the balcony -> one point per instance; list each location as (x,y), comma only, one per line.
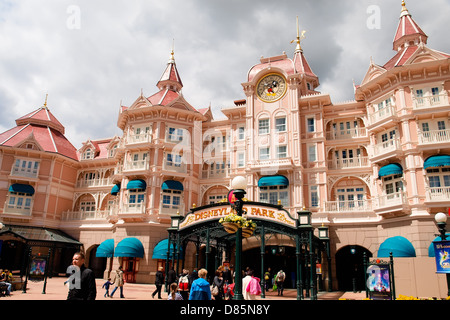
(386,149)
(139,165)
(347,134)
(275,164)
(383,114)
(434,137)
(349,163)
(349,206)
(28,172)
(216,173)
(87,215)
(139,138)
(438,194)
(132,209)
(22,210)
(437,100)
(94,183)
(175,167)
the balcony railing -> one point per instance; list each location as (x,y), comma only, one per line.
(136,165)
(347,134)
(133,208)
(94,183)
(392,199)
(357,162)
(438,194)
(179,167)
(139,138)
(349,206)
(25,172)
(430,101)
(386,146)
(381,114)
(21,210)
(434,136)
(87,215)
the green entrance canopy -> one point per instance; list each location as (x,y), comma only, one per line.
(129,247)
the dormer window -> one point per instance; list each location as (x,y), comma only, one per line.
(88,154)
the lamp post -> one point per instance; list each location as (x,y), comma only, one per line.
(441,221)
(238,185)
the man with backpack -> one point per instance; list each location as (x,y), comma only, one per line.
(279,281)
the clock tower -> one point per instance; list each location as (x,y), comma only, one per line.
(273,123)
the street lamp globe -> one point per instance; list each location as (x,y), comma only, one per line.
(239,182)
(440,217)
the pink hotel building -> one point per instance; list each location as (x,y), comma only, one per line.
(372,169)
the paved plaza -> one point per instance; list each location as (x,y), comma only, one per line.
(56,290)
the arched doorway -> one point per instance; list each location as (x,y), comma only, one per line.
(350,268)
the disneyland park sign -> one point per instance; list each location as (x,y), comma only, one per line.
(251,210)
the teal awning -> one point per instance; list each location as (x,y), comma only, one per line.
(129,247)
(172,185)
(160,251)
(390,169)
(21,188)
(137,184)
(273,181)
(116,189)
(105,249)
(437,161)
(399,246)
(431,247)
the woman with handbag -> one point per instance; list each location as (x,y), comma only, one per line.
(217,290)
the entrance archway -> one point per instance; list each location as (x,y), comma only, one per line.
(202,227)
(350,268)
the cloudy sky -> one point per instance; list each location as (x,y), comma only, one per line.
(91,55)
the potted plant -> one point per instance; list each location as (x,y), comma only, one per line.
(232,222)
(248,228)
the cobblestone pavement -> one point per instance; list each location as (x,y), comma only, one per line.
(56,290)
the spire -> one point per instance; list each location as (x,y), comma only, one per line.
(170,79)
(408,31)
(299,38)
(311,81)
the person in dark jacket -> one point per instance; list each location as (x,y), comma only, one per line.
(82,285)
(159,281)
(200,289)
(219,282)
(171,278)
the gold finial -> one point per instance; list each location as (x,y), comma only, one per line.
(172,57)
(300,37)
(404,6)
(45,103)
(194,205)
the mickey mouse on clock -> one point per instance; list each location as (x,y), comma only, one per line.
(271,87)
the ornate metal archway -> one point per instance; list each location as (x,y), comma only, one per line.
(201,226)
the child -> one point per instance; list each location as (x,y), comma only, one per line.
(106,286)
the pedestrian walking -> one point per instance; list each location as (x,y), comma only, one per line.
(200,289)
(174,294)
(218,282)
(250,286)
(281,276)
(83,285)
(159,280)
(118,282)
(183,284)
(106,286)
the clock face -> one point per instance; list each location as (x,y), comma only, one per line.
(271,87)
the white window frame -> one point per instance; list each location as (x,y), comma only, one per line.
(271,194)
(263,126)
(312,153)
(280,127)
(264,155)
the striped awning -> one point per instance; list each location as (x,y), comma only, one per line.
(21,188)
(437,161)
(390,169)
(273,181)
